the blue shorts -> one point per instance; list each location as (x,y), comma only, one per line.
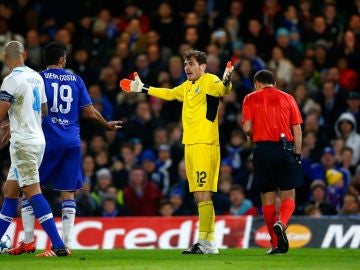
(61,168)
(276,167)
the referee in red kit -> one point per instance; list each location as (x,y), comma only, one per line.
(271,118)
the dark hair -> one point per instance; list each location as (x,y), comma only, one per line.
(264,77)
(237,187)
(53,51)
(200,56)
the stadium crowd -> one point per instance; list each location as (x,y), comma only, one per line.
(312,46)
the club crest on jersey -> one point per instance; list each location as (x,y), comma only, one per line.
(197,90)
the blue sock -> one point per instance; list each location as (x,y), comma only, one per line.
(45,217)
(8,212)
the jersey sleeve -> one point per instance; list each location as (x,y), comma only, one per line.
(295,113)
(176,93)
(215,86)
(246,110)
(42,91)
(8,90)
(84,98)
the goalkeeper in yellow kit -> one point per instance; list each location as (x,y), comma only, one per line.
(200,95)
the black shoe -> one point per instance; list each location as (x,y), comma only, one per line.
(283,243)
(272,251)
(195,249)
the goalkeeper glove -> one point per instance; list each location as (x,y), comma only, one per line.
(226,79)
(135,86)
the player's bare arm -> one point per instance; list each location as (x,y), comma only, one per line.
(44,109)
(6,132)
(92,113)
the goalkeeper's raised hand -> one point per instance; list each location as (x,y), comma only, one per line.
(135,86)
(226,79)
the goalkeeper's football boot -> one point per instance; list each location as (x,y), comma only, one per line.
(23,248)
(273,251)
(201,249)
(55,252)
(195,249)
(283,243)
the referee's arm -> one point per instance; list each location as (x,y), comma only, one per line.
(297,133)
(248,128)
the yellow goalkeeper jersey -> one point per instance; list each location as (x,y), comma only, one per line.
(200,107)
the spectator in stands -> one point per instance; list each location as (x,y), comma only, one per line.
(103,180)
(333,22)
(281,66)
(345,159)
(167,24)
(328,161)
(271,15)
(221,197)
(85,204)
(292,24)
(240,205)
(153,38)
(250,52)
(350,205)
(166,208)
(331,106)
(140,124)
(353,102)
(131,10)
(312,211)
(141,196)
(306,16)
(256,34)
(349,49)
(34,50)
(110,208)
(109,83)
(300,93)
(176,198)
(318,198)
(148,162)
(345,127)
(291,52)
(166,167)
(336,187)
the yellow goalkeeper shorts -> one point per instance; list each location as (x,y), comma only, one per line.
(202,163)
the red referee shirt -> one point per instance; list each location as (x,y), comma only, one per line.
(271,112)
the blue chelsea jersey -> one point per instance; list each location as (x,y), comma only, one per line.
(66,95)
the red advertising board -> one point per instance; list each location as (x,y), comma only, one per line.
(181,232)
(142,232)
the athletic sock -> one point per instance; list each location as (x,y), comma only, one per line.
(28,220)
(45,217)
(206,221)
(286,210)
(7,214)
(68,219)
(269,213)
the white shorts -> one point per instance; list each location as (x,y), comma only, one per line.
(25,163)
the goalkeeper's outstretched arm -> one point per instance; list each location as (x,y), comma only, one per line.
(137,86)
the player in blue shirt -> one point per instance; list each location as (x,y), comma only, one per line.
(61,168)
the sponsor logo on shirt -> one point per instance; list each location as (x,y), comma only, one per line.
(60,121)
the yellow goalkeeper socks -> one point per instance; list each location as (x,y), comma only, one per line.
(206,221)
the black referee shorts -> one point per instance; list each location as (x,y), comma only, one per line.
(276,167)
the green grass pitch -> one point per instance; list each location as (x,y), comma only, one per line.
(160,259)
